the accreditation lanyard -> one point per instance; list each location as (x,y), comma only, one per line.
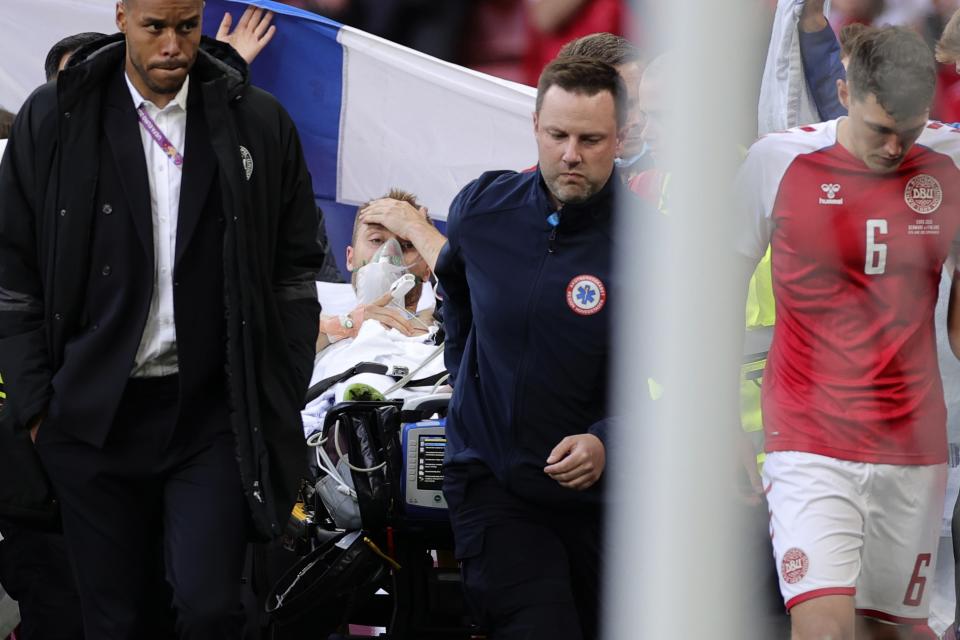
(159,137)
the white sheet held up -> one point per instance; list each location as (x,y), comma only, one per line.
(785,99)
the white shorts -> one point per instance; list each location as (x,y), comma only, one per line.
(855,528)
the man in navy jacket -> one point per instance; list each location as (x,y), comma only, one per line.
(529,286)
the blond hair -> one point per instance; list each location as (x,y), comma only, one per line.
(393,194)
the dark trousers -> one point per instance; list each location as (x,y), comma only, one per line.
(35,571)
(529,572)
(155,521)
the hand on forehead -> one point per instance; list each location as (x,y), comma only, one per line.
(374,229)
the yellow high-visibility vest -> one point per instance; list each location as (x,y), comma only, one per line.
(751,415)
(761,311)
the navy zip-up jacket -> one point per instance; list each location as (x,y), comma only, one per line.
(528,311)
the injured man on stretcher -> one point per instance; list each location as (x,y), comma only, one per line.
(379,337)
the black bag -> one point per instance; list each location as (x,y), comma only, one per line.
(318,594)
(372,432)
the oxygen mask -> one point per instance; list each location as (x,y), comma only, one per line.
(375,278)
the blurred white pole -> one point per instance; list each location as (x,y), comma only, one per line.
(677,565)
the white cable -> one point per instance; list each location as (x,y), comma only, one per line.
(326,464)
(410,316)
(331,468)
(316,439)
(439,384)
(346,459)
(327,470)
(420,322)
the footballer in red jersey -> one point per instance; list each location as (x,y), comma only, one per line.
(861,214)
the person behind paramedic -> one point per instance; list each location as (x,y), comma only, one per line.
(625,57)
(529,289)
(159,243)
(369,235)
(653,181)
(859,217)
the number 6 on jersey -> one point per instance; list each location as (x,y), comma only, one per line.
(876,261)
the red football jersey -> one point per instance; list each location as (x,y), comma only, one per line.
(857,256)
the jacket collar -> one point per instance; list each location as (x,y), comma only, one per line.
(179,100)
(119,120)
(93,64)
(199,167)
(598,206)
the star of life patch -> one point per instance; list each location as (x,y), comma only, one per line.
(586,295)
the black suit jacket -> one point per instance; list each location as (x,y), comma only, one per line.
(51,199)
(98,359)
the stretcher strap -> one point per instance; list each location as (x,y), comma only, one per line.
(316,390)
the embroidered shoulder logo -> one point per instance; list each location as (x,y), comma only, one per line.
(830,190)
(247,161)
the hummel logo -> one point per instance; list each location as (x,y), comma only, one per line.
(830,190)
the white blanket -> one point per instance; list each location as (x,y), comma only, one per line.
(374,343)
(785,99)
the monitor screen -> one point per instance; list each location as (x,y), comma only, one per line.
(430,462)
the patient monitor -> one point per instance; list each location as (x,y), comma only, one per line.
(424,444)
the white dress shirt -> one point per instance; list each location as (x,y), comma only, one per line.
(157,354)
